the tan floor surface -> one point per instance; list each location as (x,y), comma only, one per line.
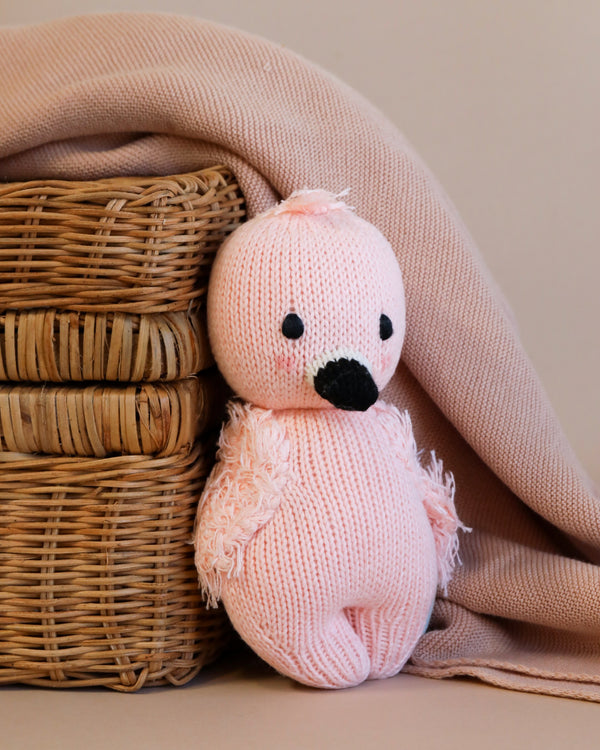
(241,703)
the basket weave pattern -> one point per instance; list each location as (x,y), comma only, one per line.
(106,407)
(100,420)
(124,244)
(48,345)
(98,584)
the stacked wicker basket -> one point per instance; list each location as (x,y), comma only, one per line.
(106,404)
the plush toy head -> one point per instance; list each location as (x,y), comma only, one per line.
(306,307)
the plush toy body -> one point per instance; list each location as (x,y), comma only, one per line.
(319,528)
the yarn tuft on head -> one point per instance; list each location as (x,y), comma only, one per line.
(313,202)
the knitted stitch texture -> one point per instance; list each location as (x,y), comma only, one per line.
(319,528)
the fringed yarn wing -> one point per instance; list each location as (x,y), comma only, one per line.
(437,489)
(241,495)
(438,499)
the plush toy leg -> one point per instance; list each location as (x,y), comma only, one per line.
(334,657)
(389,638)
(316,651)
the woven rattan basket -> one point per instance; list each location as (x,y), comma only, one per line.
(47,345)
(105,281)
(97,580)
(126,244)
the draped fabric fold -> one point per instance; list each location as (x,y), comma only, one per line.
(116,94)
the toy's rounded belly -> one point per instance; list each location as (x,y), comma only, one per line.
(351,520)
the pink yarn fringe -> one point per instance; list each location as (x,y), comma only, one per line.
(312,202)
(439,505)
(241,494)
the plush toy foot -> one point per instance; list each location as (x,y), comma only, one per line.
(332,658)
(389,641)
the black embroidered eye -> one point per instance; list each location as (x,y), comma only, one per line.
(385,327)
(292,326)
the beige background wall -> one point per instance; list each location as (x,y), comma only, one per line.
(501,98)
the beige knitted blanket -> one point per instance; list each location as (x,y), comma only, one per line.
(155,94)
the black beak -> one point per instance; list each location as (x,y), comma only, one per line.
(347,384)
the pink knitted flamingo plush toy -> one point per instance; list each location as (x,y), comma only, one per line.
(318,528)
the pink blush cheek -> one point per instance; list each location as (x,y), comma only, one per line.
(386,361)
(286,362)
(388,365)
